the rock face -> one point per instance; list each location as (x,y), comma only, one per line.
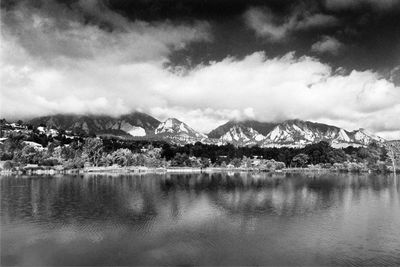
(241,135)
(261,127)
(364,137)
(178,132)
(293,133)
(298,133)
(134,124)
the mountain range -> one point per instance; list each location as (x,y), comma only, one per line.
(137,125)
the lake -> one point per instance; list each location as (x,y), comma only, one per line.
(201,219)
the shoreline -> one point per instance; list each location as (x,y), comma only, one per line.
(163,170)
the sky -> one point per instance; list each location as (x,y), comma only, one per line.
(205,61)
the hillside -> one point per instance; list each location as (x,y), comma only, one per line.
(133,124)
(290,133)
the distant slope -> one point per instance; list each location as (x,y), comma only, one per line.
(290,133)
(242,136)
(179,132)
(133,124)
(261,127)
(300,133)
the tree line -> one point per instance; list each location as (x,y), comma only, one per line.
(95,151)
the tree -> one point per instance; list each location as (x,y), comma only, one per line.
(300,160)
(181,160)
(236,162)
(75,163)
(92,150)
(394,153)
(67,153)
(270,165)
(205,162)
(246,162)
(280,165)
(122,157)
(167,152)
(318,152)
(336,155)
(28,154)
(8,165)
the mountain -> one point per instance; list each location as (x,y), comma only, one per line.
(290,133)
(241,135)
(134,124)
(261,127)
(299,133)
(365,137)
(179,132)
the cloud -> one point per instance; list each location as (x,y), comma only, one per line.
(262,22)
(354,4)
(315,21)
(54,32)
(204,119)
(327,44)
(266,24)
(120,76)
(395,75)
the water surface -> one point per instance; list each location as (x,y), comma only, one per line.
(200,219)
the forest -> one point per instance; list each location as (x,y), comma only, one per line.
(17,150)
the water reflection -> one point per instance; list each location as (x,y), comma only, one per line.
(212,219)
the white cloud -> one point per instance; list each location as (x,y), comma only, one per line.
(266,24)
(316,20)
(204,119)
(262,22)
(327,44)
(55,32)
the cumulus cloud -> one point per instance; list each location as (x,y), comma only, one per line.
(327,44)
(54,31)
(266,24)
(116,78)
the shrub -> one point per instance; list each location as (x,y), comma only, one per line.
(8,165)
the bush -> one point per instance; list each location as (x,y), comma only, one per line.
(49,162)
(279,165)
(8,165)
(76,163)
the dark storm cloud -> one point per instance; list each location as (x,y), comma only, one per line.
(368,29)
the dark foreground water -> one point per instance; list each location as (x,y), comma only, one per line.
(201,219)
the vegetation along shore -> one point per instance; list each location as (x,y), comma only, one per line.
(30,151)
